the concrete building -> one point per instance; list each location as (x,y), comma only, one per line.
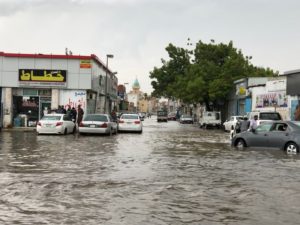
(33,83)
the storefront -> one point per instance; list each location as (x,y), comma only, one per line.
(34,84)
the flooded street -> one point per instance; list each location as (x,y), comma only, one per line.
(169,174)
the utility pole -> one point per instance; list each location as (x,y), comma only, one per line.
(106,78)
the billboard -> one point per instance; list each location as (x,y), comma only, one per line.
(275,99)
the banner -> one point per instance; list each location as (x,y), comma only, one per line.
(295,110)
(275,99)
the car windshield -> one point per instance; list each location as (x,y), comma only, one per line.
(130,117)
(101,118)
(51,118)
(270,116)
(161,113)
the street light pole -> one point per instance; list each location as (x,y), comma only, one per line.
(106,78)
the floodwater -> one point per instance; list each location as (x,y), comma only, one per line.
(169,174)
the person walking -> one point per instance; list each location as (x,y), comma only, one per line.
(80,113)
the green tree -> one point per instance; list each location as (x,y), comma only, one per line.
(205,74)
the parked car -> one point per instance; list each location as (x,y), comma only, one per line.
(264,116)
(231,122)
(55,124)
(186,119)
(130,122)
(276,134)
(98,124)
(172,116)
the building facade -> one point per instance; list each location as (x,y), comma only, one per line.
(31,84)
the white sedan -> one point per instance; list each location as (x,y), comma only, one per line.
(98,124)
(231,123)
(130,122)
(55,124)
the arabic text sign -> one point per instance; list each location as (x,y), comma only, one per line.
(85,64)
(33,75)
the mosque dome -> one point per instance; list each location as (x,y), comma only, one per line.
(136,84)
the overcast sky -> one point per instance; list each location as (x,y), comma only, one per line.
(136,32)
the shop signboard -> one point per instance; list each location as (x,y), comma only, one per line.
(42,78)
(275,99)
(85,64)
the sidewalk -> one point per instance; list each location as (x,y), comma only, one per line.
(23,129)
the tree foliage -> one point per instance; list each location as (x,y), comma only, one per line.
(205,74)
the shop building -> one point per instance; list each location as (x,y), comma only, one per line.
(32,84)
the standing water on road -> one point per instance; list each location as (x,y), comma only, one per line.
(170,174)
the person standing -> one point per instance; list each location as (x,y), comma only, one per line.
(80,113)
(244,124)
(253,123)
(73,114)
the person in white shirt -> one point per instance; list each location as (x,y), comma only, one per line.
(253,123)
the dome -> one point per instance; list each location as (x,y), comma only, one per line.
(136,84)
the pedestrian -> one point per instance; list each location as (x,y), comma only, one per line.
(80,113)
(253,123)
(244,124)
(73,114)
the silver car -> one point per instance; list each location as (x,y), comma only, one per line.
(284,135)
(98,124)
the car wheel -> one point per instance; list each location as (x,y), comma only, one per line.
(291,148)
(240,143)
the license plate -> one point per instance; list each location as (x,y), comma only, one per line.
(48,125)
(93,125)
(129,122)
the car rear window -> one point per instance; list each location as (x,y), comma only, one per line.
(162,113)
(101,118)
(130,117)
(270,116)
(50,118)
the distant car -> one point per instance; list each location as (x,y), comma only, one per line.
(55,124)
(231,122)
(162,116)
(172,116)
(276,134)
(142,116)
(98,124)
(130,122)
(186,119)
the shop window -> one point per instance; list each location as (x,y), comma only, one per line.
(45,92)
(26,111)
(30,92)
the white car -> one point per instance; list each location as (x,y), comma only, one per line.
(231,122)
(98,124)
(55,124)
(130,122)
(186,119)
